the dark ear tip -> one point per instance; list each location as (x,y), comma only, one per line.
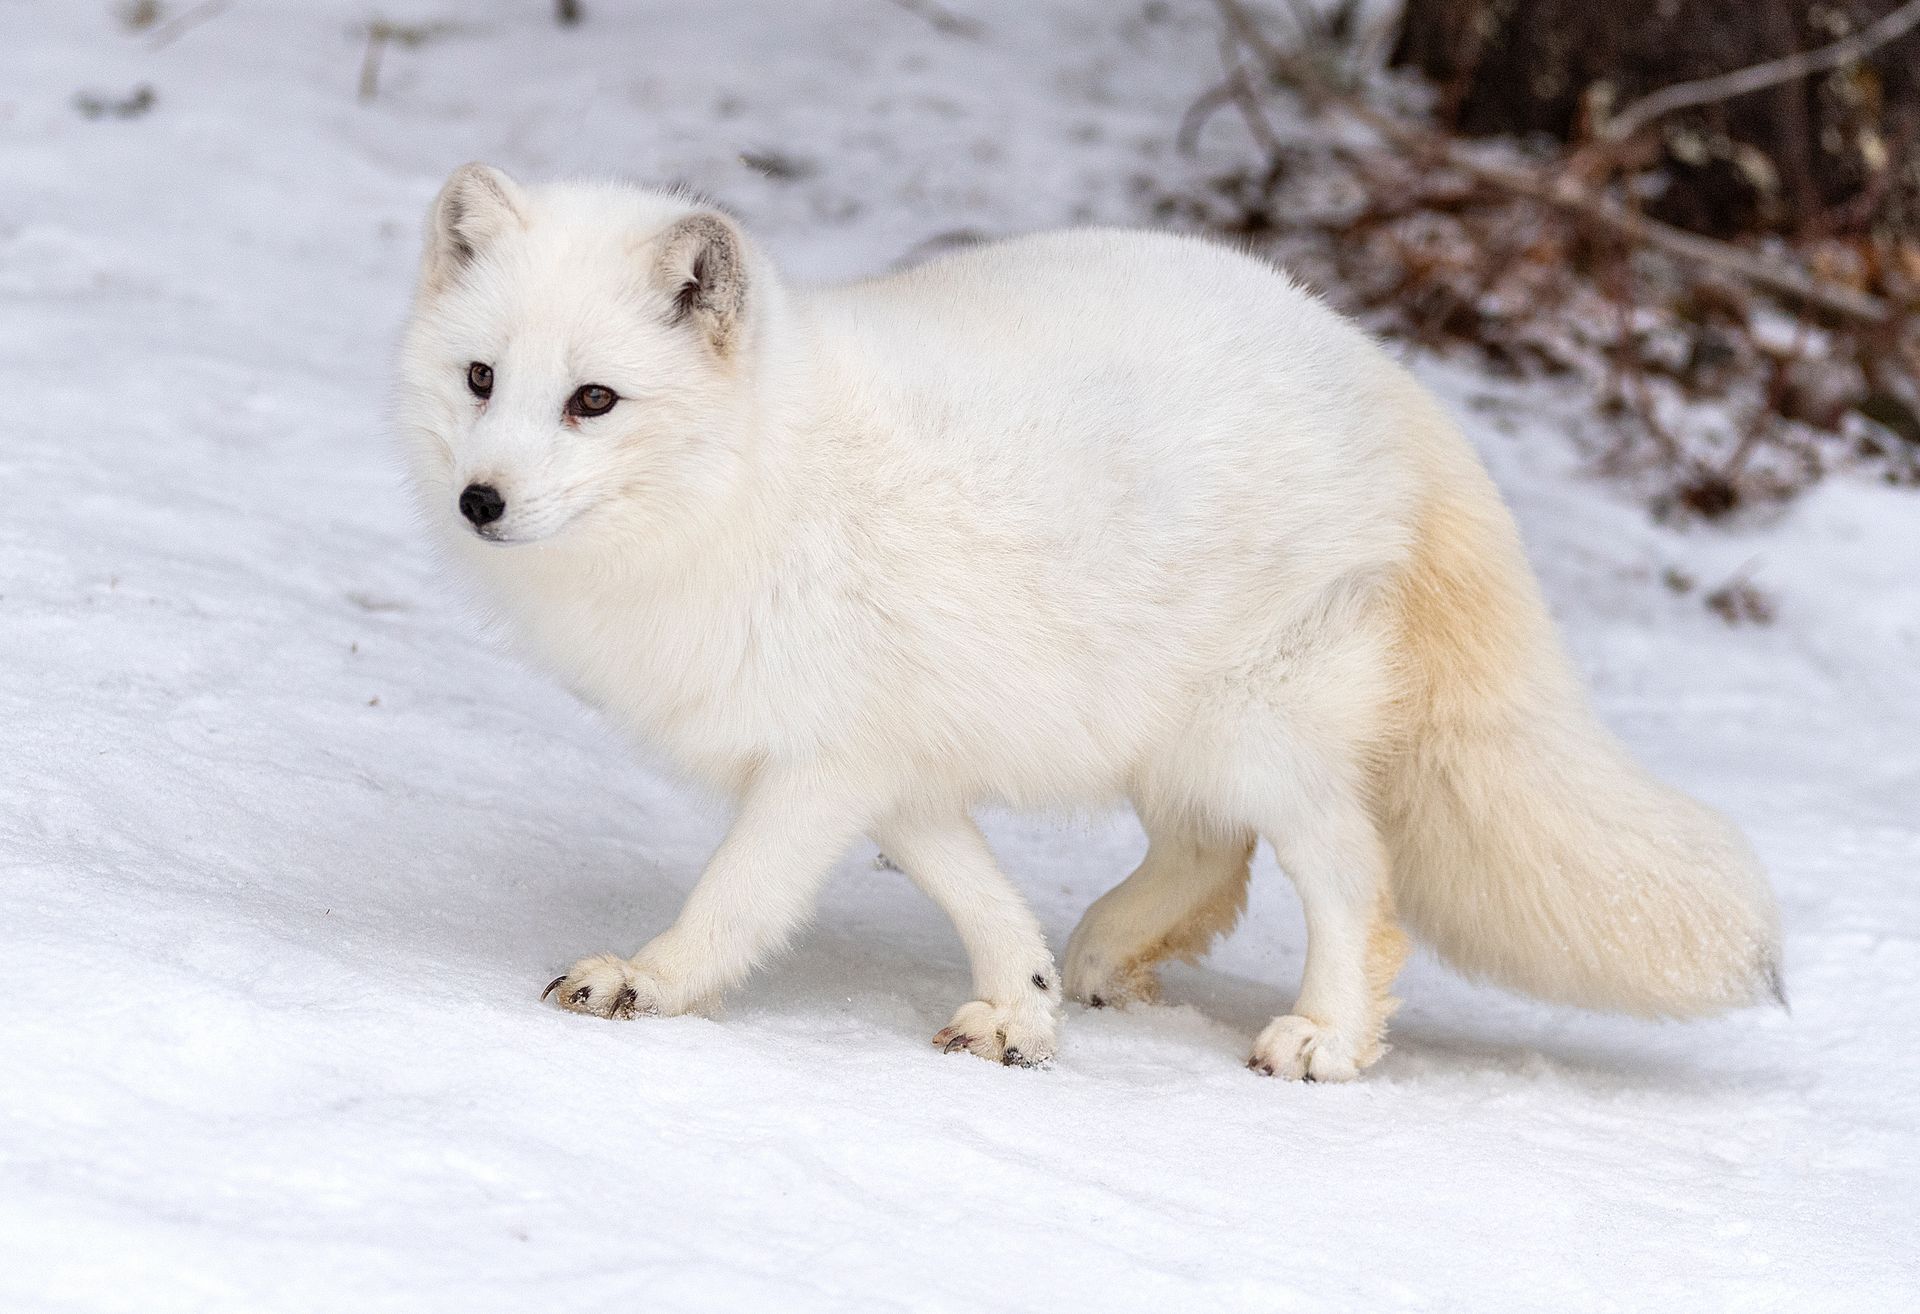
(706,229)
(475,171)
(475,176)
(475,204)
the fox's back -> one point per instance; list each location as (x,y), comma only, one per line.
(1175,387)
(1110,468)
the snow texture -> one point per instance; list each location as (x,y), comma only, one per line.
(289,847)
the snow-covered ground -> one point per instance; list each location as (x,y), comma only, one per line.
(288,848)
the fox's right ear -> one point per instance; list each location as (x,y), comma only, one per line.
(702,268)
(477,204)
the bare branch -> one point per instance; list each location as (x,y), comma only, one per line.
(1758,77)
(1564,191)
(1777,277)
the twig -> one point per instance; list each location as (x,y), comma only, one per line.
(1758,77)
(377,36)
(1762,421)
(173,29)
(1186,138)
(1241,24)
(945,20)
(1632,371)
(381,34)
(1313,32)
(1235,89)
(1241,90)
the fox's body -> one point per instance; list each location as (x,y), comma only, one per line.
(1072,520)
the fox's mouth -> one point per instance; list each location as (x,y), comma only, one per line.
(497,537)
(536,525)
(511,536)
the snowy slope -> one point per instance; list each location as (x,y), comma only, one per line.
(287,848)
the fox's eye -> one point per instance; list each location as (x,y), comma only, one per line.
(590,400)
(480,380)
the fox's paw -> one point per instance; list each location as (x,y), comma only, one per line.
(606,986)
(1300,1049)
(1019,1035)
(1098,981)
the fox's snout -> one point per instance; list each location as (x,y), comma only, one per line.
(507,511)
(482,504)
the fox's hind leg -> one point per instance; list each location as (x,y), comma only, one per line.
(1326,842)
(1189,890)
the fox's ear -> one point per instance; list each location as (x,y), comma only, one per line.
(702,269)
(477,204)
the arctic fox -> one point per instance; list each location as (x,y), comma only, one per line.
(1073,519)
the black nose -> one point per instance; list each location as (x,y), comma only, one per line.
(480,504)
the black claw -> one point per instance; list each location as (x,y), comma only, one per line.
(624,1001)
(580,996)
(1040,981)
(1308,1076)
(1096,1001)
(958,1042)
(552,986)
(1013,1058)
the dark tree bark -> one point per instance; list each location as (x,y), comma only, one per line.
(1833,153)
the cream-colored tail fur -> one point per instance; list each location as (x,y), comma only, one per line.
(1527,846)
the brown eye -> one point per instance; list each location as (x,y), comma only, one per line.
(480,380)
(591,400)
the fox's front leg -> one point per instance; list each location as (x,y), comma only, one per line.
(760,885)
(1014,1019)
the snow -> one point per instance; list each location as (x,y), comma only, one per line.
(289,846)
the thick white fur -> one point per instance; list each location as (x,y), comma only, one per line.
(1068,520)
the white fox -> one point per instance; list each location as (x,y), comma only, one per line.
(1061,521)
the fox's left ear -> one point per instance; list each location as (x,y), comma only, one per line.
(702,269)
(477,205)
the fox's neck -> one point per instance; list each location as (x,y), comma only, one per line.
(691,638)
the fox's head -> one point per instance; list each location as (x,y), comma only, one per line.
(577,352)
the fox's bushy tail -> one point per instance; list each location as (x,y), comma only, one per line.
(1528,847)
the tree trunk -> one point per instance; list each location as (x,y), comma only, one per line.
(1830,154)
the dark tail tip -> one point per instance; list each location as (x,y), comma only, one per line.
(1776,986)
